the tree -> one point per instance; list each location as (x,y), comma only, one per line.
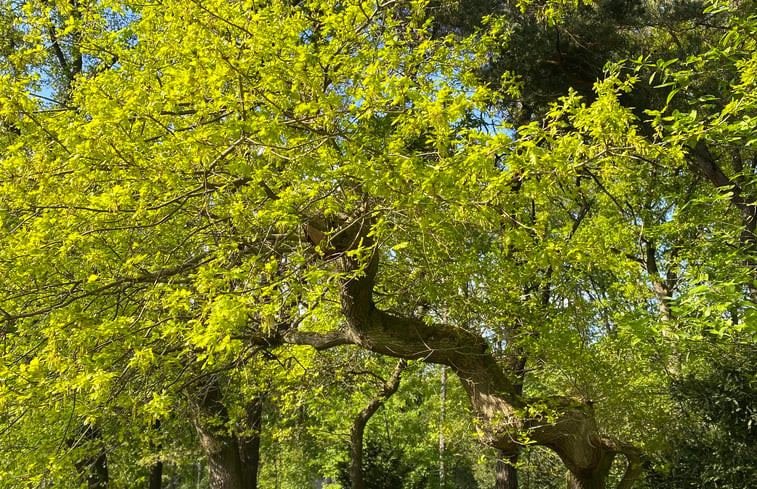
(190,188)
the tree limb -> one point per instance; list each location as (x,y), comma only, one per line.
(319,341)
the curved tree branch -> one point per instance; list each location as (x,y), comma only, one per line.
(504,422)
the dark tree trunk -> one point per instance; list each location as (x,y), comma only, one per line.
(442,420)
(156,471)
(739,197)
(356,454)
(249,443)
(156,475)
(576,482)
(594,479)
(232,460)
(361,420)
(506,474)
(222,453)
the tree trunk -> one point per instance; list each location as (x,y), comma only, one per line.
(442,416)
(222,453)
(156,471)
(595,479)
(156,475)
(232,460)
(576,482)
(249,443)
(507,472)
(361,420)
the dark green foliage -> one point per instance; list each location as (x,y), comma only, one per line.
(550,58)
(462,476)
(717,448)
(384,467)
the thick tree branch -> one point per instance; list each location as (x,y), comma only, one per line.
(661,289)
(569,426)
(634,469)
(707,164)
(319,341)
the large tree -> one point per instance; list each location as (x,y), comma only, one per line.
(190,186)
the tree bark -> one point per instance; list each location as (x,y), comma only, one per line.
(221,450)
(506,472)
(737,195)
(361,420)
(506,476)
(663,290)
(442,419)
(249,443)
(156,475)
(597,477)
(232,460)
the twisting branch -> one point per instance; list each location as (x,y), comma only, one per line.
(501,410)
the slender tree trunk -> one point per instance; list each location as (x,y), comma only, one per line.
(361,420)
(442,420)
(356,454)
(156,475)
(249,443)
(506,473)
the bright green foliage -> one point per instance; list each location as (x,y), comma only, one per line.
(159,162)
